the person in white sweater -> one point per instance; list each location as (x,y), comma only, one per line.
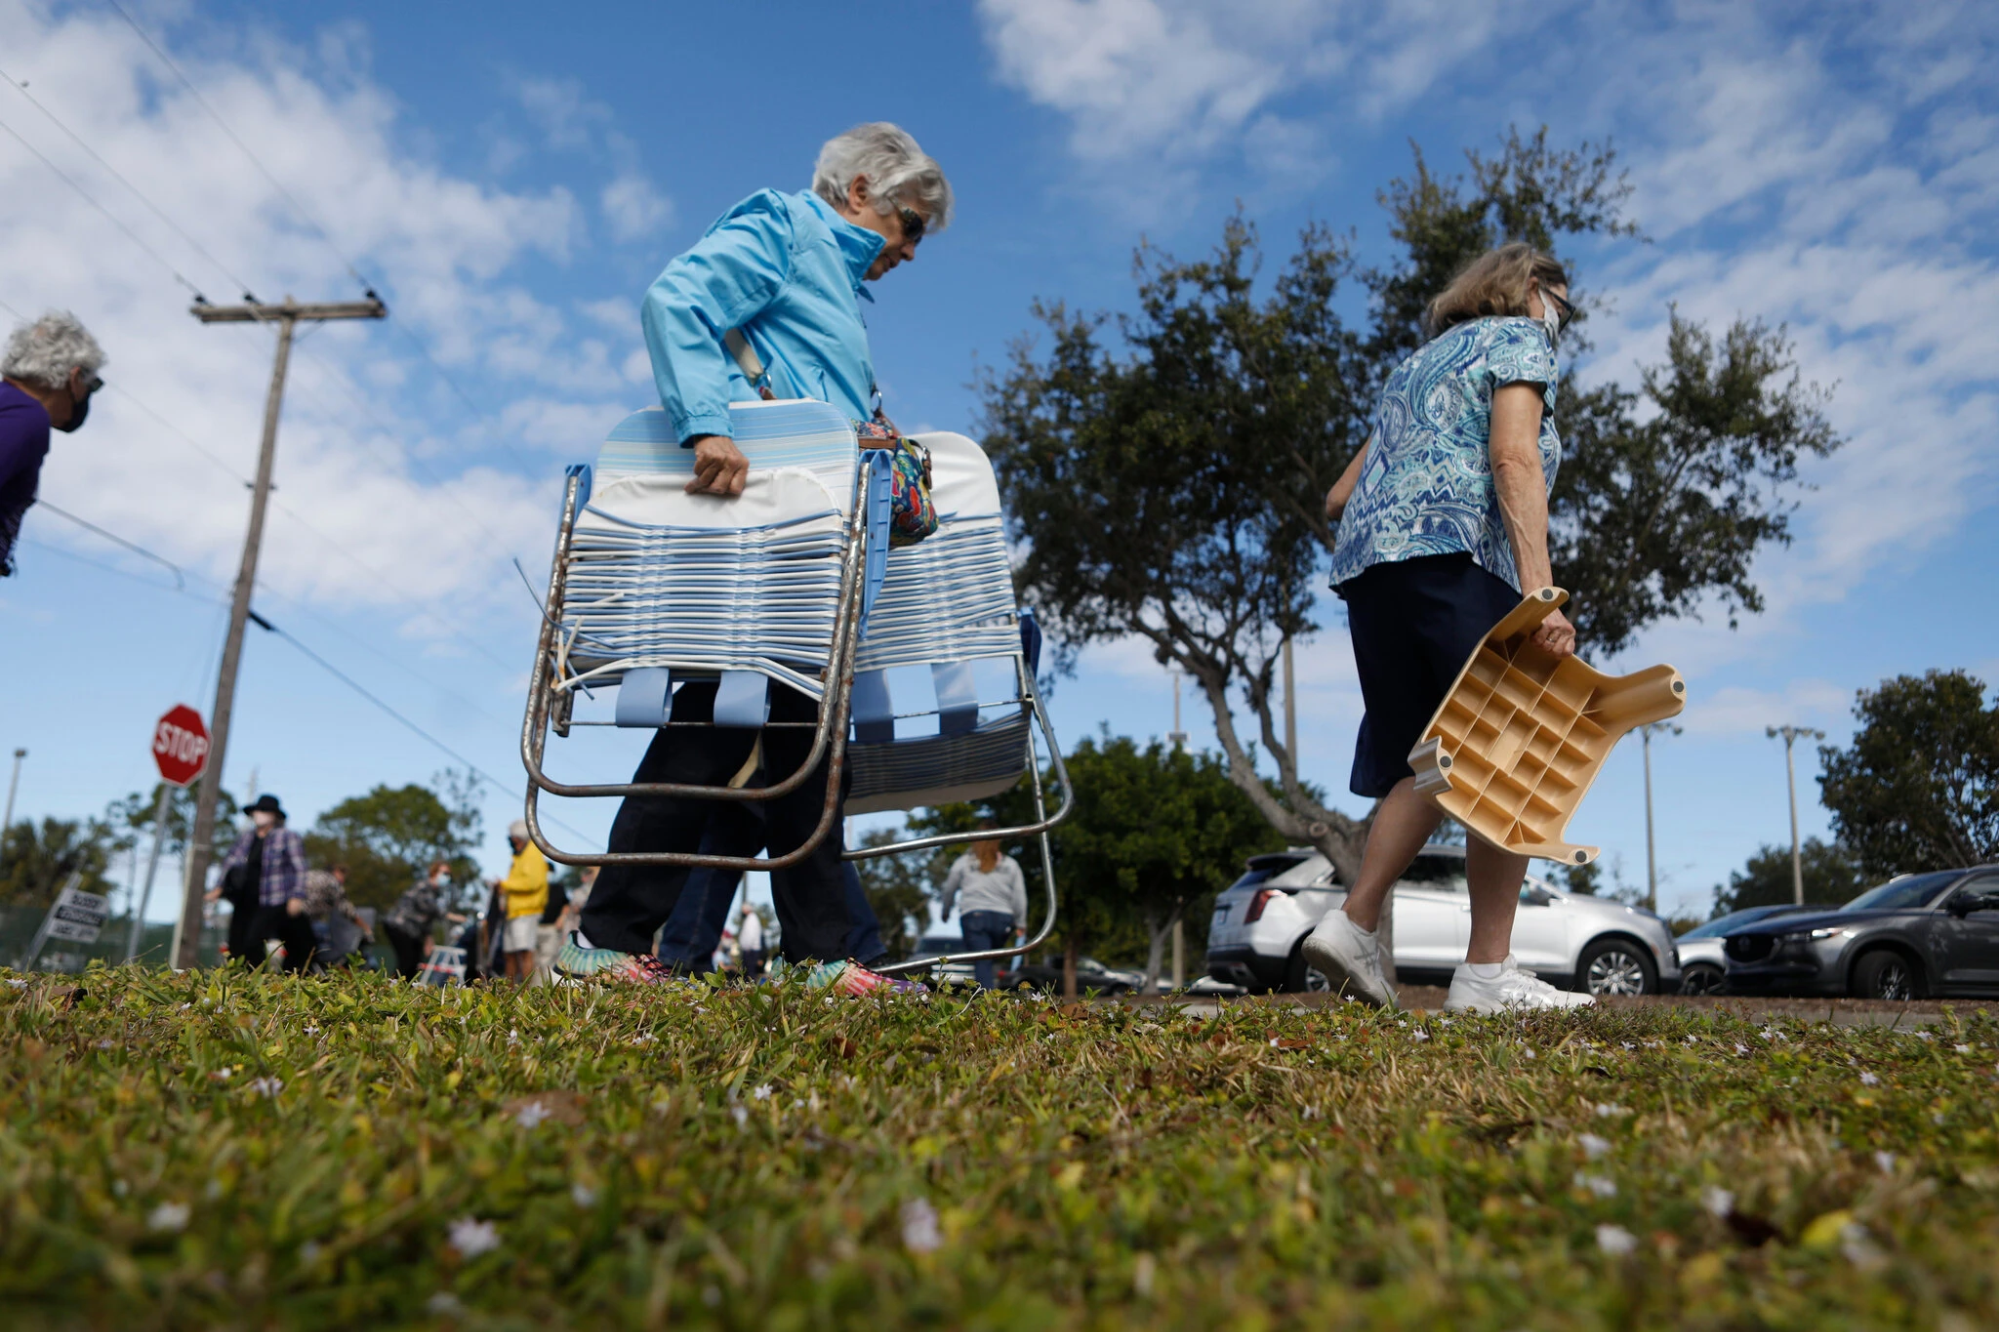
(987,885)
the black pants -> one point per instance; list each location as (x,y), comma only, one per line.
(242,915)
(409,951)
(294,932)
(630,903)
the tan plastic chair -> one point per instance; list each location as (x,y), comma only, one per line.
(1523,734)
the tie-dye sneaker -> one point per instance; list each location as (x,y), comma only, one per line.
(576,963)
(850,978)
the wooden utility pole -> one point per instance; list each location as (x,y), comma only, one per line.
(187,931)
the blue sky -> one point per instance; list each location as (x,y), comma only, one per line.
(512,184)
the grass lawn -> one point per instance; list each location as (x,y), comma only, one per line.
(213,1149)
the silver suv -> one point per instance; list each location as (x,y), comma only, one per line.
(1569,939)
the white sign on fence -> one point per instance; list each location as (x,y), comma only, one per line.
(78,916)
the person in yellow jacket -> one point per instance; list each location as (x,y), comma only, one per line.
(526,892)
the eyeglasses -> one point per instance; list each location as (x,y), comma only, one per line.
(912,224)
(92,385)
(1566,314)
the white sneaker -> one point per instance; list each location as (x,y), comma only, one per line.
(1513,989)
(1350,960)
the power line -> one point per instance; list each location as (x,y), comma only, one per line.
(64,177)
(325,236)
(180,583)
(255,161)
(22,88)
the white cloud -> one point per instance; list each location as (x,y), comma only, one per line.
(410,494)
(634,209)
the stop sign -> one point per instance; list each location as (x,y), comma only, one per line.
(180,745)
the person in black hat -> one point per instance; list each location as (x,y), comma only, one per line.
(273,860)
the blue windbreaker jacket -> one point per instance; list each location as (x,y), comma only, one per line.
(786,270)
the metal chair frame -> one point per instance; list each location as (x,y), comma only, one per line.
(550,707)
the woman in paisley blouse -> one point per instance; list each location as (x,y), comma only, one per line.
(1443,522)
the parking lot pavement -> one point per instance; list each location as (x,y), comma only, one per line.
(1758,1009)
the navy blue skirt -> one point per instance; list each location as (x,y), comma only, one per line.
(1414,622)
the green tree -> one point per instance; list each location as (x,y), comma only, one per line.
(1169,485)
(1155,834)
(1918,786)
(134,813)
(1830,872)
(387,837)
(37,861)
(898,887)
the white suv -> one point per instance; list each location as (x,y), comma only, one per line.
(1570,939)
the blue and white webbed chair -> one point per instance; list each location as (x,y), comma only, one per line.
(793,582)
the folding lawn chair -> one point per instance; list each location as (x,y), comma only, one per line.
(793,582)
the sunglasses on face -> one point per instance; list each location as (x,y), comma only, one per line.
(1566,313)
(912,224)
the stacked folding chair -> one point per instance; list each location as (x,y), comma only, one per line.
(793,582)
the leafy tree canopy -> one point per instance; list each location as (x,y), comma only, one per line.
(1918,787)
(36,861)
(134,814)
(1831,876)
(387,837)
(1169,484)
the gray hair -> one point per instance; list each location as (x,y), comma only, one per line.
(897,172)
(45,352)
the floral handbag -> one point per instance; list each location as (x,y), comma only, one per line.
(913,515)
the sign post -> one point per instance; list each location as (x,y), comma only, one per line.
(180,749)
(75,916)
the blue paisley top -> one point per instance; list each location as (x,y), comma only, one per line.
(1426,487)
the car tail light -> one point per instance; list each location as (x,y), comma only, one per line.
(1258,903)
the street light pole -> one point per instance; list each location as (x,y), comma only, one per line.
(1651,855)
(14,783)
(187,929)
(1790,735)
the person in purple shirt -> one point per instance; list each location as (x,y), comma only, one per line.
(46,380)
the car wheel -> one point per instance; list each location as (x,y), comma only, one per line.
(1302,976)
(1703,979)
(1885,975)
(1616,966)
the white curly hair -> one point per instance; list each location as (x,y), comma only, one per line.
(45,352)
(897,172)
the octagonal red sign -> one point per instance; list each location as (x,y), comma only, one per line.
(180,745)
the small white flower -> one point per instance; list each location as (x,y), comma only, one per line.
(223,1074)
(1614,1239)
(1692,1042)
(1963,1048)
(106,1044)
(1859,1247)
(312,1029)
(1606,1110)
(582,1195)
(1601,1186)
(1740,1049)
(1444,1022)
(761,1092)
(472,1237)
(1870,1078)
(1629,1045)
(268,1087)
(1417,1035)
(531,1115)
(1528,1052)
(742,1114)
(187,1006)
(1924,1036)
(1593,1146)
(168,1217)
(919,1227)
(19,984)
(1717,1200)
(1886,1161)
(513,1036)
(1311,1113)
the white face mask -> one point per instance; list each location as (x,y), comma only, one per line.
(1550,319)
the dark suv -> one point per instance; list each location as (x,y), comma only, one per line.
(1915,936)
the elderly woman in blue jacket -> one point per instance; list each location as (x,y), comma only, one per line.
(786,274)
